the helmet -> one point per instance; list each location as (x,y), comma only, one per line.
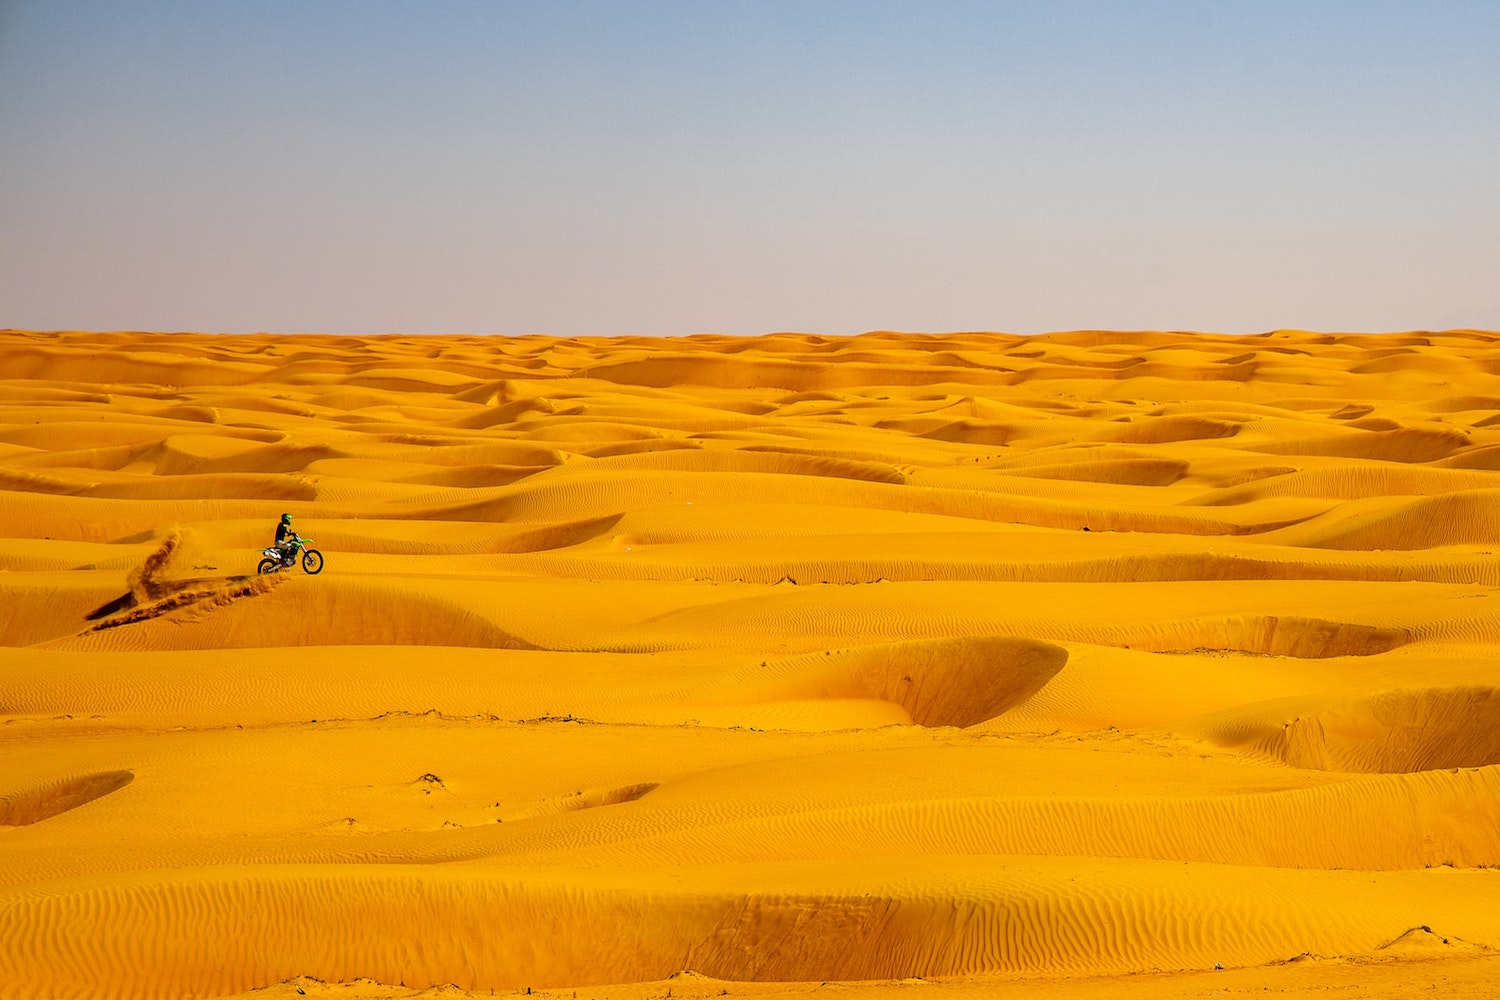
(286,519)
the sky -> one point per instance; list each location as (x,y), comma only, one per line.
(669,168)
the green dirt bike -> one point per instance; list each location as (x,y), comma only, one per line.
(278,559)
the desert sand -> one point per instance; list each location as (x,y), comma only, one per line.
(1095,664)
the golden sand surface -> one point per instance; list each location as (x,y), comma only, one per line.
(925,666)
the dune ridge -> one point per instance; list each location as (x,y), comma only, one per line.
(1087,664)
(1028,917)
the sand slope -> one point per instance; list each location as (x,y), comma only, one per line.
(1093,664)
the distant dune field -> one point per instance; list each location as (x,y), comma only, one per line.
(1095,664)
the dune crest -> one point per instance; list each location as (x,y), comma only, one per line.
(941,682)
(54,798)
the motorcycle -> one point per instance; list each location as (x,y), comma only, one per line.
(277,559)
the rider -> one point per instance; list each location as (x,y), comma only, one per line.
(286,538)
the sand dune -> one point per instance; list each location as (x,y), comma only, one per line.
(1089,664)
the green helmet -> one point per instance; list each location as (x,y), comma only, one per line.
(286,519)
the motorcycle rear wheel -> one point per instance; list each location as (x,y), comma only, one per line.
(312,562)
(268,566)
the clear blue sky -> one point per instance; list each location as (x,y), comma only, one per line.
(745,167)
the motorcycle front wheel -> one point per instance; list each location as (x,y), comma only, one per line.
(268,566)
(312,562)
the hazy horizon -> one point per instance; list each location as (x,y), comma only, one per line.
(679,168)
